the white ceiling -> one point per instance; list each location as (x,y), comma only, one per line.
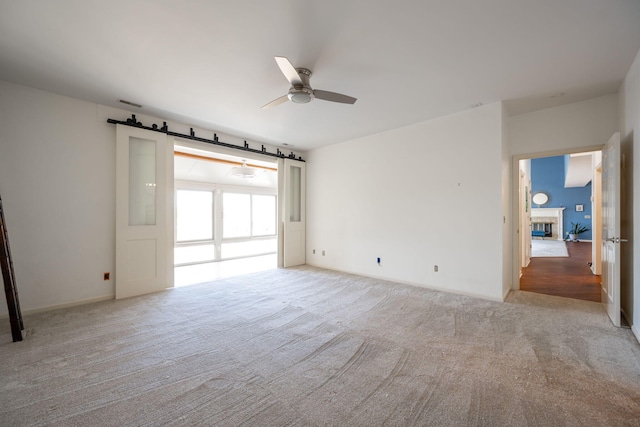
(210,63)
(579,170)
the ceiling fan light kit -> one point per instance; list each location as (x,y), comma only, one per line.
(300,96)
(301,91)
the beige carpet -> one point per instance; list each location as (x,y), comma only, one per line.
(311,347)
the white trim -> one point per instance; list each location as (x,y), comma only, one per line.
(515,202)
(220,149)
(61,306)
(410,283)
(636,332)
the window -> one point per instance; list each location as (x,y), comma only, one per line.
(194,216)
(214,224)
(236,217)
(263,214)
(248,215)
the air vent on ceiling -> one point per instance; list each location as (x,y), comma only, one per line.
(133,104)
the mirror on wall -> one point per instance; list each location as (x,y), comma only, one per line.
(540,199)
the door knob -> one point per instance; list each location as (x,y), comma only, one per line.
(615,240)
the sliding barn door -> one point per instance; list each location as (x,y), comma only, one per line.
(291,182)
(144,212)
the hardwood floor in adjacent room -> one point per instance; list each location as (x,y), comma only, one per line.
(569,277)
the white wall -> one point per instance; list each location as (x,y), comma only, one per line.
(57,181)
(582,124)
(629,135)
(394,195)
(508,218)
(417,196)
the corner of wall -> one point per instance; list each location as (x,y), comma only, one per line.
(629,127)
(507,211)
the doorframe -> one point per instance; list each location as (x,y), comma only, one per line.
(177,141)
(596,250)
(515,201)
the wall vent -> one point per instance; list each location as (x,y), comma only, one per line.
(133,104)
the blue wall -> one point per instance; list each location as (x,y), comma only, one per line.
(547,176)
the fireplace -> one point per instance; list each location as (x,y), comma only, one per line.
(546,223)
(541,229)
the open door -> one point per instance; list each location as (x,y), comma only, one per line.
(292,183)
(525,219)
(611,228)
(144,212)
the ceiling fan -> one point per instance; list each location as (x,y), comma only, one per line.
(301,92)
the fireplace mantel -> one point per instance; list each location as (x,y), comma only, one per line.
(555,213)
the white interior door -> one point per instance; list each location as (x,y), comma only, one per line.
(292,183)
(144,212)
(611,228)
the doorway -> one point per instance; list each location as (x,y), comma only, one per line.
(560,194)
(225,215)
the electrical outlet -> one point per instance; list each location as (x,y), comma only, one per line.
(378,260)
(323,253)
(106,276)
(314,251)
(435,268)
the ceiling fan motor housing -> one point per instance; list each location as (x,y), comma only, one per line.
(300,95)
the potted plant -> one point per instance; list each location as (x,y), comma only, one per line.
(576,229)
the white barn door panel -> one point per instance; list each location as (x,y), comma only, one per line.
(292,184)
(144,212)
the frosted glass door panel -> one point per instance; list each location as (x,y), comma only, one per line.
(294,191)
(142,182)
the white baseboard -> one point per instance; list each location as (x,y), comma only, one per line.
(59,306)
(419,285)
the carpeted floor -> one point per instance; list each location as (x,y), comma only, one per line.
(548,248)
(311,347)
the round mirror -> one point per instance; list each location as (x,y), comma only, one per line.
(540,199)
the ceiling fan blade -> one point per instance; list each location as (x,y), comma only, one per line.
(288,70)
(334,97)
(276,101)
